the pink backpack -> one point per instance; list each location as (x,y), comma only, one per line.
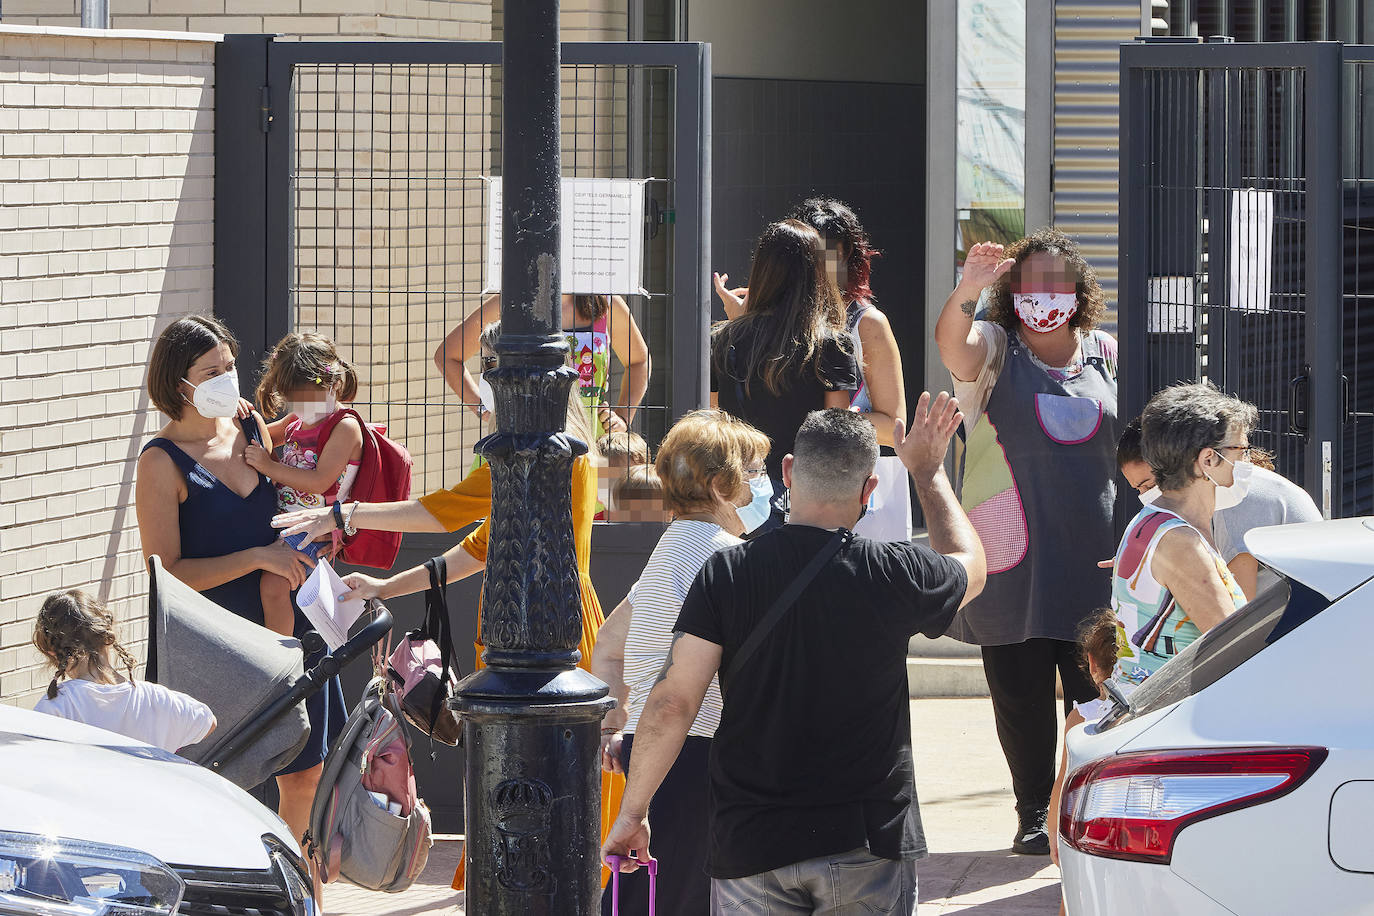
(422,670)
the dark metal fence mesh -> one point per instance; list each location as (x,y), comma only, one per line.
(389,205)
(1357,238)
(1225,202)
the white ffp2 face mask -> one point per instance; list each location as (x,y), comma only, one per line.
(1044,312)
(216,397)
(1241,473)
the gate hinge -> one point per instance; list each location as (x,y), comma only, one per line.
(265,108)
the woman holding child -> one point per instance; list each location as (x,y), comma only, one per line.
(208,515)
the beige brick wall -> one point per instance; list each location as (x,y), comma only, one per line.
(468,20)
(106,208)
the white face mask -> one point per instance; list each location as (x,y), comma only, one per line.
(485,395)
(1241,472)
(313,412)
(216,397)
(1149,496)
(1044,312)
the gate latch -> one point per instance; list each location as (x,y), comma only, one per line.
(265,108)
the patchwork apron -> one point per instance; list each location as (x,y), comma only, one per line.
(1039,485)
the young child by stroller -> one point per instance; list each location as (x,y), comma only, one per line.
(1099,639)
(321,451)
(76,633)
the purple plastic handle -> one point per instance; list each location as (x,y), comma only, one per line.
(613,863)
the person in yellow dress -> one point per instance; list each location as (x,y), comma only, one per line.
(456,508)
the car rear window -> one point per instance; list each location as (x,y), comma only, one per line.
(1274,613)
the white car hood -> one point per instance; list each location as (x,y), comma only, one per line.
(1330,558)
(65,779)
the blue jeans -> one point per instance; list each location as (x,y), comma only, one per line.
(847,884)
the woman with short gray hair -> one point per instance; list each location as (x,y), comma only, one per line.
(1169,584)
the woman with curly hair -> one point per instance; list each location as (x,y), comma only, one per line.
(1037,384)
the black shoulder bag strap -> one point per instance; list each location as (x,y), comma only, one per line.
(437,627)
(786,600)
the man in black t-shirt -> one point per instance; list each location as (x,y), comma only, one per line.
(813,807)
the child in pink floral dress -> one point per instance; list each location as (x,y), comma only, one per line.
(320,450)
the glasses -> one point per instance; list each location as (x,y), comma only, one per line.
(489,362)
(1244,450)
(755,473)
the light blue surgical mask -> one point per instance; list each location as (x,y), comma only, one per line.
(754,514)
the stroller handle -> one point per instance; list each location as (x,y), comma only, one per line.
(239,739)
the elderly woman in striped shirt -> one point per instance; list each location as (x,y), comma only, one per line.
(715,484)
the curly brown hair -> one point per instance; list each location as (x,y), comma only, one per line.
(1091,301)
(71,626)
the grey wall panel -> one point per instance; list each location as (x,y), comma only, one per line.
(1087,41)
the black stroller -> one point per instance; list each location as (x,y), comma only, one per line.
(253,680)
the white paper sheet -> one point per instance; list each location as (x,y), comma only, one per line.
(603,235)
(319,600)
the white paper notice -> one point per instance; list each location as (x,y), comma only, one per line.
(319,600)
(1172,305)
(603,235)
(1252,240)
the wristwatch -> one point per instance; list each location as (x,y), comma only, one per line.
(338,515)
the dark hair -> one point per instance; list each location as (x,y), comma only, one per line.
(1091,300)
(1181,421)
(792,306)
(300,360)
(71,626)
(835,452)
(839,224)
(1128,446)
(178,347)
(1097,640)
(591,307)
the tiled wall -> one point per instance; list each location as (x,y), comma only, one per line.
(469,20)
(106,208)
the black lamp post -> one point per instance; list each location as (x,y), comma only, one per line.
(531,717)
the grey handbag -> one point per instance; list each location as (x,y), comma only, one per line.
(232,665)
(368,823)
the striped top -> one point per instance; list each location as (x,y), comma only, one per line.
(656,600)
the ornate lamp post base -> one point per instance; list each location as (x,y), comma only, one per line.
(527,739)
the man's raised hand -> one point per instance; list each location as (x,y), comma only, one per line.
(922,450)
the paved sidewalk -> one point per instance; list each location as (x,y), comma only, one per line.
(966,805)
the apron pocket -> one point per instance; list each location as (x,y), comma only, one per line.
(1001,525)
(1068,420)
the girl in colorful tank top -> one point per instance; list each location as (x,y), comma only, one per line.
(321,444)
(1153,628)
(595,326)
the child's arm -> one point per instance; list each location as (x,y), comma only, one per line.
(276,430)
(461,344)
(1052,821)
(345,444)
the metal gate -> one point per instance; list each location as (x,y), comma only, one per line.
(1245,192)
(352,184)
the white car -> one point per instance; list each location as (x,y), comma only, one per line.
(1241,778)
(96,824)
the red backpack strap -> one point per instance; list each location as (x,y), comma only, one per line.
(1138,542)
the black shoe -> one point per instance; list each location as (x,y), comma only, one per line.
(1032,839)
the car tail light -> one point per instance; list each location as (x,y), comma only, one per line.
(1132,806)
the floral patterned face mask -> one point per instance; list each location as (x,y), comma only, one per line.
(1044,312)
